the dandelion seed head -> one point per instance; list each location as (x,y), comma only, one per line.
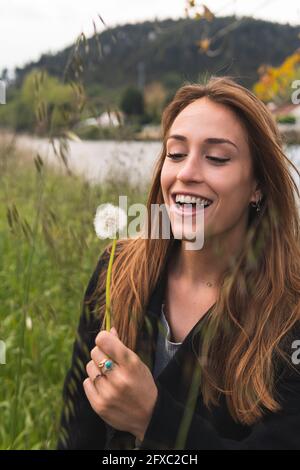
(109,220)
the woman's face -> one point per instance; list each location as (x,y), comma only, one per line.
(202,133)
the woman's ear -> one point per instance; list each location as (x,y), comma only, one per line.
(256,194)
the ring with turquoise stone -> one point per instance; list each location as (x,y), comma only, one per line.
(106,364)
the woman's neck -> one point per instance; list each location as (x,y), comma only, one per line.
(207,264)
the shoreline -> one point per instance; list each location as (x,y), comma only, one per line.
(289,133)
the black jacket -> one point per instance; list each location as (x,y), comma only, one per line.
(82,428)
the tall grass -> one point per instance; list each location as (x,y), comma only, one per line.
(48,251)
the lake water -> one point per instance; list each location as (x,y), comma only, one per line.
(98,161)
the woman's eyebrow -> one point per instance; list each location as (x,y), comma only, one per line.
(209,140)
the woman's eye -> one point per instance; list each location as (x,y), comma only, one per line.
(174,156)
(217,160)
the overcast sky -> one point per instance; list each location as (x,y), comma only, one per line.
(29,28)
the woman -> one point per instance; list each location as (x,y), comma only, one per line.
(204,346)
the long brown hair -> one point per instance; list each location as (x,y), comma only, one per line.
(259,296)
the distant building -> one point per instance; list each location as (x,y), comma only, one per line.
(106,119)
(111,119)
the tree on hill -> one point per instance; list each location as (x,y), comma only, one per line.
(132,102)
(43,103)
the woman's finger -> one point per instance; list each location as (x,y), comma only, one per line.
(94,373)
(91,393)
(113,347)
(98,356)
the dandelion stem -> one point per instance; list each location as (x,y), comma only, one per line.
(108,278)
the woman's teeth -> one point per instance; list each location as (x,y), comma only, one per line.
(183,199)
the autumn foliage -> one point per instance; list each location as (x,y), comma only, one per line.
(275,83)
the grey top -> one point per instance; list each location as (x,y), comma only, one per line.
(165,348)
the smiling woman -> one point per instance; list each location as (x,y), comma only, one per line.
(208,157)
(208,329)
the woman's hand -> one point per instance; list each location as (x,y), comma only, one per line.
(125,396)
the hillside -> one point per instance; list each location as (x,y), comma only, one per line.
(166,51)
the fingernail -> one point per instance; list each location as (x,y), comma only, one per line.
(114,331)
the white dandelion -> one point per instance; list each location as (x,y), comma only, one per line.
(109,220)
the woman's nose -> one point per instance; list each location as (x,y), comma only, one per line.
(191,169)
